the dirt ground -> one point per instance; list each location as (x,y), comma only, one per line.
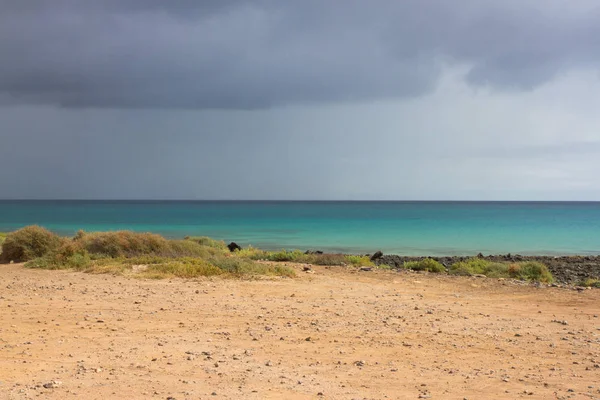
(331,334)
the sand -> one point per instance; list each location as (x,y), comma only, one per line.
(332,334)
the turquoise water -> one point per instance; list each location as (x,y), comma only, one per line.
(410,228)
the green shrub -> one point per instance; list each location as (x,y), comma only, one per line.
(252,253)
(183,268)
(591,282)
(426,264)
(123,243)
(471,266)
(531,271)
(77,261)
(286,255)
(209,242)
(2,239)
(133,244)
(496,270)
(153,256)
(359,261)
(232,265)
(28,243)
(479,266)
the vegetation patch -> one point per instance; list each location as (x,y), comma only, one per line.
(29,243)
(153,256)
(591,282)
(528,270)
(361,261)
(206,241)
(143,254)
(426,264)
(2,239)
(297,256)
(479,266)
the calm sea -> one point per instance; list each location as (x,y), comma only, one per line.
(411,228)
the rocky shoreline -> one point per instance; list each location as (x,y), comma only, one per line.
(565,269)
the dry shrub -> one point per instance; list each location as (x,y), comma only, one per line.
(133,244)
(28,243)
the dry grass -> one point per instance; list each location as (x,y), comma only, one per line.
(124,252)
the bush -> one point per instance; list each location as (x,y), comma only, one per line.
(286,255)
(2,238)
(133,244)
(359,261)
(28,243)
(232,265)
(496,270)
(426,264)
(471,266)
(119,252)
(77,261)
(476,266)
(208,242)
(183,268)
(591,282)
(531,271)
(252,254)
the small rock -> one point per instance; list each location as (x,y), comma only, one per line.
(52,384)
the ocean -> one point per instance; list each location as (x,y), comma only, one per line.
(405,228)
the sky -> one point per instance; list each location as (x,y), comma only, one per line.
(300,99)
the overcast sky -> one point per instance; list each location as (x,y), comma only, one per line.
(307,99)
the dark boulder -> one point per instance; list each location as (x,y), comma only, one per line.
(376,256)
(233,246)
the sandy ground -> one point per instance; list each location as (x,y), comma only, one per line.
(333,334)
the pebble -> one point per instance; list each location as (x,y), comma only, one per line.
(52,384)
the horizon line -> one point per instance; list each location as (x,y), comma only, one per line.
(310,200)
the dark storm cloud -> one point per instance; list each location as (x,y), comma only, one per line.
(256,54)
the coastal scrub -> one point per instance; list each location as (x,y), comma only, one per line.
(125,252)
(28,243)
(526,270)
(426,264)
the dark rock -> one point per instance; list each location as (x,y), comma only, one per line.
(233,246)
(313,252)
(376,256)
(565,269)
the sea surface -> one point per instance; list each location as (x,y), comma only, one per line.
(406,228)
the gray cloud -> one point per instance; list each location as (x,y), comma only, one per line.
(258,54)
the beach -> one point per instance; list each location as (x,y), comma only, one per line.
(332,332)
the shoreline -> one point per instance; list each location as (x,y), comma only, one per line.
(570,269)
